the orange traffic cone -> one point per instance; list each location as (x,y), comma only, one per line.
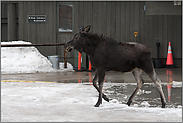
(90,78)
(169,61)
(79,62)
(169,87)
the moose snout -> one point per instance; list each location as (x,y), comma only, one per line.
(68,48)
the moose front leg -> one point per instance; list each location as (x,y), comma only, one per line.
(95,85)
(101,75)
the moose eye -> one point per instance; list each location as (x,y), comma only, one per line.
(77,37)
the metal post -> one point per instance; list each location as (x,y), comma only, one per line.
(65,59)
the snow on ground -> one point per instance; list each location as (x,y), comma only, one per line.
(73,102)
(26,60)
(176,84)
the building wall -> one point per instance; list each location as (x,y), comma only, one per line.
(4,22)
(38,33)
(118,20)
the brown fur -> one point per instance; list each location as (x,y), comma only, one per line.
(107,53)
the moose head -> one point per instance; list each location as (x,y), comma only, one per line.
(78,40)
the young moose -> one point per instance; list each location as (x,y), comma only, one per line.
(106,53)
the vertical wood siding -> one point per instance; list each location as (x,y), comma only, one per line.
(38,32)
(4,26)
(118,20)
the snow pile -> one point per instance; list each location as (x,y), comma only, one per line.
(143,92)
(69,67)
(25,60)
(176,84)
(145,103)
(65,30)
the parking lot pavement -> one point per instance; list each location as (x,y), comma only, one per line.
(34,100)
(166,75)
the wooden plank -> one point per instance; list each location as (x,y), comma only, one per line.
(38,27)
(103,17)
(81,14)
(160,33)
(127,33)
(87,14)
(20,21)
(150,32)
(174,31)
(176,43)
(95,17)
(132,20)
(109,19)
(4,21)
(141,35)
(4,10)
(163,8)
(41,37)
(179,36)
(113,20)
(90,13)
(118,21)
(12,25)
(52,27)
(54,23)
(61,38)
(76,17)
(47,30)
(4,35)
(123,23)
(99,20)
(29,11)
(137,19)
(155,36)
(25,26)
(146,36)
(170,28)
(163,45)
(33,26)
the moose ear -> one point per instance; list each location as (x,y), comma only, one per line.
(87,28)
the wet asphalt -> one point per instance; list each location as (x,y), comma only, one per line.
(121,92)
(166,75)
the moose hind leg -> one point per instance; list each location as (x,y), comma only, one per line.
(138,76)
(157,82)
(95,85)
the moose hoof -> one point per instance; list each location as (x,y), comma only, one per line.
(105,98)
(97,104)
(129,102)
(163,105)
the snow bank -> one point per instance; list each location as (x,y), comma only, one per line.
(25,60)
(65,30)
(69,67)
(176,84)
(60,102)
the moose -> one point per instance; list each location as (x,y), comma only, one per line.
(109,54)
